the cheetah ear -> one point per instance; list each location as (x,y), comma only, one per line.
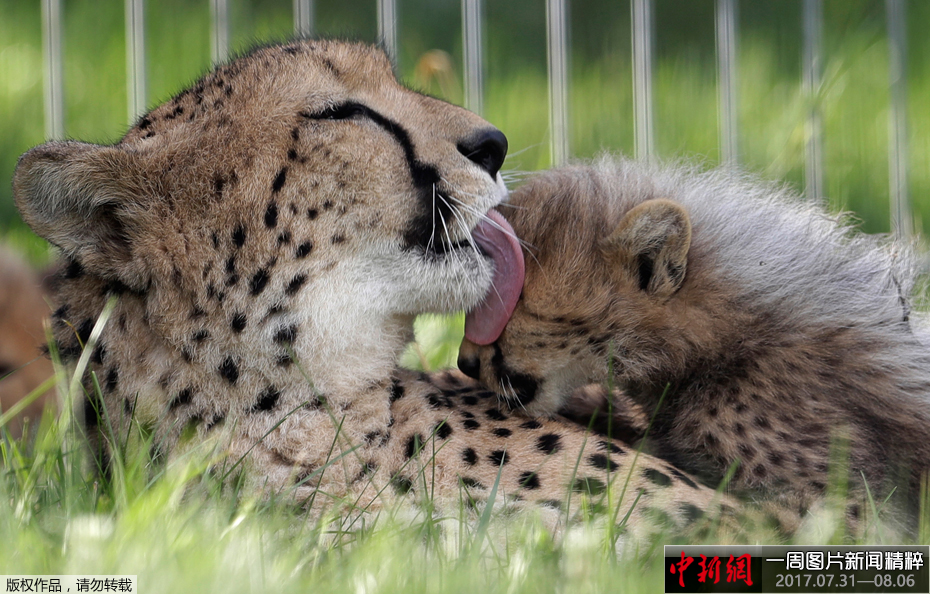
(652,242)
(87,200)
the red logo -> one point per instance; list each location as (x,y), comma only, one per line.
(709,569)
(739,568)
(681,566)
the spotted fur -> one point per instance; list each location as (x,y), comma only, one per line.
(772,328)
(270,234)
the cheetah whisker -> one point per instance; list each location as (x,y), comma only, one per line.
(442,219)
(514,175)
(530,248)
(445,230)
(524,149)
(501,392)
(519,400)
(432,235)
(484,217)
(459,220)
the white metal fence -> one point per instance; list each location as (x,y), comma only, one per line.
(557,15)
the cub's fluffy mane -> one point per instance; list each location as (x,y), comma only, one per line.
(788,329)
(773,250)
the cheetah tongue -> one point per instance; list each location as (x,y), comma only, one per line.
(495,236)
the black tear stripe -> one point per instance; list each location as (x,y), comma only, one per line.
(424,176)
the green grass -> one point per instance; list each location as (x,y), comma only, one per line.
(172,525)
(176,526)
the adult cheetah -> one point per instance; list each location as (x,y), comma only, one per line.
(270,234)
(771,329)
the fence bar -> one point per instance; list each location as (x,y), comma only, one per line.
(303,17)
(387,26)
(813,73)
(902,224)
(473,41)
(557,41)
(135,57)
(54,78)
(643,134)
(726,80)
(219,30)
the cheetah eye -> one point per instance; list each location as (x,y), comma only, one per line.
(343,111)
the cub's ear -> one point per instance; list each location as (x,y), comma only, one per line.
(652,242)
(87,200)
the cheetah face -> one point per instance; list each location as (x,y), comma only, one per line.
(543,352)
(600,296)
(541,356)
(296,166)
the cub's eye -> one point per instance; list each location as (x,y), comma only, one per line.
(343,111)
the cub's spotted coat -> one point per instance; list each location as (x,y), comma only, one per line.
(772,329)
(271,233)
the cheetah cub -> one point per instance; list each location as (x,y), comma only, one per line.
(774,331)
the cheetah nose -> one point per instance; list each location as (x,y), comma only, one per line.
(470,366)
(486,148)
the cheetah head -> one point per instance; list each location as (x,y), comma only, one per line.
(601,290)
(299,194)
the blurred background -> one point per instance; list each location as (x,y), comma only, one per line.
(770,110)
